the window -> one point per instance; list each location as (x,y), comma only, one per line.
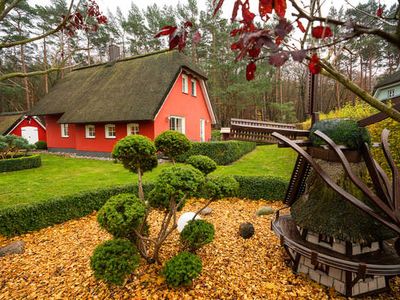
(177,124)
(110,131)
(90,131)
(132,128)
(391,93)
(194,93)
(64,130)
(185,83)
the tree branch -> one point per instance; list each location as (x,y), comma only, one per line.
(29,74)
(4,11)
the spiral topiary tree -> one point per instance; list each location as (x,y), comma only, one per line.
(172,144)
(138,154)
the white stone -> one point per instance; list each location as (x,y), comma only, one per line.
(339,286)
(381,282)
(335,273)
(339,247)
(355,290)
(363,286)
(185,218)
(373,284)
(326,280)
(312,238)
(303,269)
(314,275)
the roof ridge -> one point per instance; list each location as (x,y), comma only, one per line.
(124,59)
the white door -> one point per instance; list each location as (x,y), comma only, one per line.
(202,130)
(30,133)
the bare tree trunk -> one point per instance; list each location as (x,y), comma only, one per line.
(140,185)
(46,76)
(26,83)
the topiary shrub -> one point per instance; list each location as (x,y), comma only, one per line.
(172,143)
(114,260)
(121,214)
(138,154)
(220,187)
(196,234)
(175,183)
(203,163)
(182,269)
(11,145)
(41,145)
(342,132)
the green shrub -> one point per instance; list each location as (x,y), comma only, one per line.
(172,143)
(197,233)
(203,163)
(262,187)
(218,187)
(182,269)
(20,163)
(120,214)
(114,260)
(174,182)
(216,135)
(136,152)
(10,145)
(41,145)
(342,132)
(223,153)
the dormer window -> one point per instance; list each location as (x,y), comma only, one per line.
(194,92)
(110,131)
(391,93)
(90,131)
(185,84)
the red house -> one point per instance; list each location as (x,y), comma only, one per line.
(93,107)
(20,124)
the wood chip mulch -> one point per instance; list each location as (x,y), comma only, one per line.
(55,264)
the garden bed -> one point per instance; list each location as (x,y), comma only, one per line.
(56,263)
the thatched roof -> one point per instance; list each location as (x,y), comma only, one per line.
(323,211)
(395,77)
(9,120)
(128,89)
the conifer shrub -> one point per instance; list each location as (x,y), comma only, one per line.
(217,187)
(121,214)
(41,145)
(113,260)
(203,163)
(182,269)
(172,144)
(196,234)
(342,132)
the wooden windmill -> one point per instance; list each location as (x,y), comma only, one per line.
(341,235)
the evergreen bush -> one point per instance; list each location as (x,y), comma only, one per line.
(172,143)
(182,269)
(196,234)
(218,187)
(41,145)
(203,163)
(20,163)
(114,260)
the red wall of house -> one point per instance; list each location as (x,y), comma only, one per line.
(185,105)
(30,122)
(54,139)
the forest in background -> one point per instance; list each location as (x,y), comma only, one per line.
(277,94)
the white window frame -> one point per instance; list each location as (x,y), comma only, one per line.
(131,126)
(177,118)
(107,131)
(185,84)
(194,87)
(391,93)
(202,130)
(64,130)
(87,131)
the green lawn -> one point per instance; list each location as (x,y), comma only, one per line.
(62,176)
(265,160)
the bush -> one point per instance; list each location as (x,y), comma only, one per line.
(197,233)
(136,152)
(218,187)
(10,145)
(20,163)
(342,132)
(216,135)
(203,163)
(174,182)
(182,269)
(120,214)
(223,153)
(41,145)
(172,143)
(114,260)
(262,187)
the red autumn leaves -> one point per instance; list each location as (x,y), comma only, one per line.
(178,35)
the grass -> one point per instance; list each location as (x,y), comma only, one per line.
(264,161)
(60,176)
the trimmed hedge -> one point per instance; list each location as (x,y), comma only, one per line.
(262,187)
(223,153)
(20,163)
(24,218)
